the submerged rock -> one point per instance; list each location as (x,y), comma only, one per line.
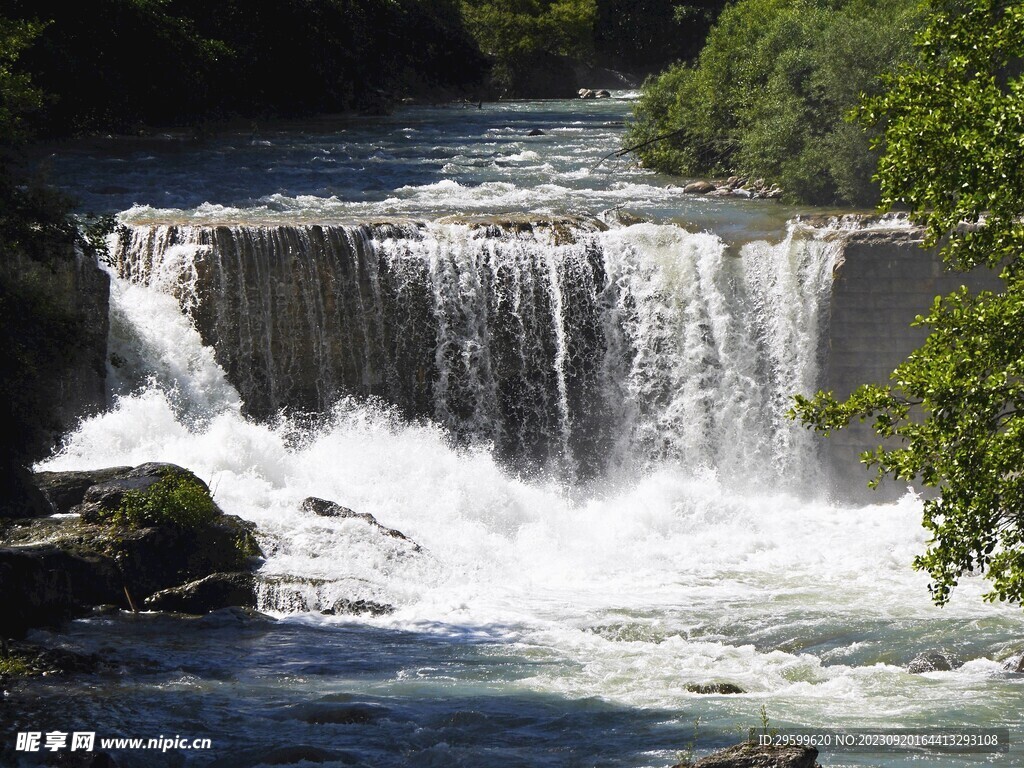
(933,661)
(536,132)
(753,755)
(325,508)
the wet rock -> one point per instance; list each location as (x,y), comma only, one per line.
(752,755)
(18,658)
(714,688)
(621,218)
(1015,664)
(20,497)
(602,94)
(211,593)
(66,490)
(699,188)
(234,616)
(933,661)
(359,607)
(325,508)
(108,495)
(536,132)
(53,569)
(586,93)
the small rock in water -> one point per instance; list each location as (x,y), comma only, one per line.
(358,607)
(711,688)
(933,661)
(536,132)
(1014,663)
(699,188)
(752,755)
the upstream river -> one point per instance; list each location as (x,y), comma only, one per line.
(611,505)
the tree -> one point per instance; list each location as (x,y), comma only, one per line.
(769,94)
(953,131)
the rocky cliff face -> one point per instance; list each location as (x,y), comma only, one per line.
(54,311)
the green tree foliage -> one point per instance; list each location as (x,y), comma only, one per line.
(521,35)
(770,93)
(954,135)
(650,34)
(18,96)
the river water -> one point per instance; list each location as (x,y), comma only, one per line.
(633,516)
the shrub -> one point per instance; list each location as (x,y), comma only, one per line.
(177,500)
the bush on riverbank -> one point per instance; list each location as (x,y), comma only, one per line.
(770,94)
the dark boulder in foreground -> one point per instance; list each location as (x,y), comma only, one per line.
(143,530)
(210,593)
(752,755)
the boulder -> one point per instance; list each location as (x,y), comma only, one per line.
(53,568)
(699,188)
(106,496)
(210,593)
(714,688)
(359,608)
(933,661)
(66,490)
(536,132)
(752,755)
(586,93)
(1014,663)
(602,94)
(325,508)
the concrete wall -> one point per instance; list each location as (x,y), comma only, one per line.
(884,281)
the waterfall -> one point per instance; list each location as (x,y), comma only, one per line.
(565,346)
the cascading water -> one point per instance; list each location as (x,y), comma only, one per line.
(564,346)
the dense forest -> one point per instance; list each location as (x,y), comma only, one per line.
(773,92)
(122,65)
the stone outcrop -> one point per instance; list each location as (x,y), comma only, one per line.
(55,318)
(325,508)
(752,755)
(211,593)
(52,569)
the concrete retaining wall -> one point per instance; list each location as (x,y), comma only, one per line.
(884,281)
